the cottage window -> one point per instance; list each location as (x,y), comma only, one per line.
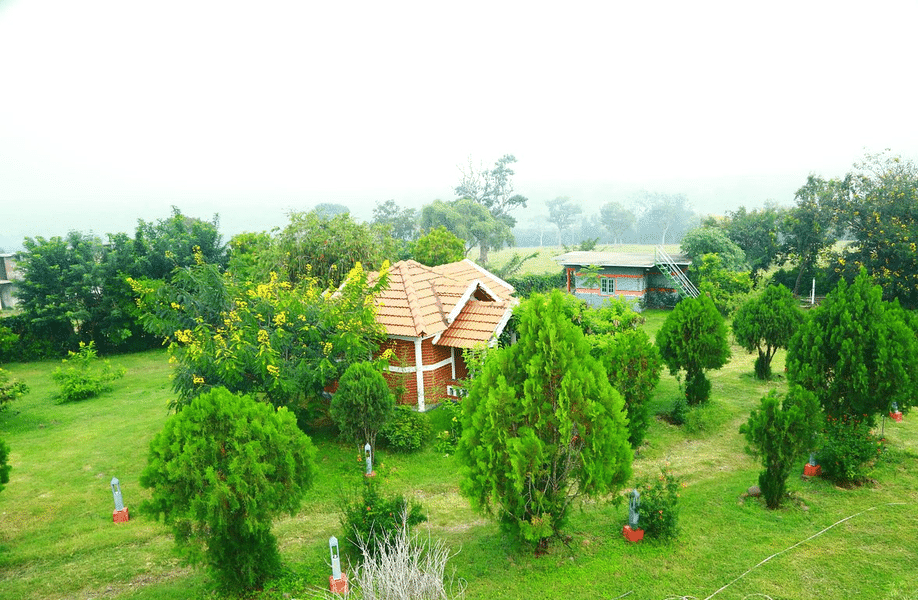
(606,286)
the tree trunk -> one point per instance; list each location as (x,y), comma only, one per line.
(483,254)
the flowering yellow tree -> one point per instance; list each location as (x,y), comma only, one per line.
(279,341)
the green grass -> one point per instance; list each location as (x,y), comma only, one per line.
(57,539)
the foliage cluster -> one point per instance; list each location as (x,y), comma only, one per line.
(527,285)
(406,430)
(73,288)
(694,339)
(282,341)
(713,240)
(86,375)
(362,404)
(371,518)
(220,471)
(10,390)
(438,247)
(847,446)
(541,426)
(780,433)
(726,288)
(659,505)
(632,363)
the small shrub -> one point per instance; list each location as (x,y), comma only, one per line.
(846,448)
(86,376)
(406,430)
(371,518)
(659,508)
(10,390)
(679,412)
(447,439)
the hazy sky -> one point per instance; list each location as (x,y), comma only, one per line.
(113,110)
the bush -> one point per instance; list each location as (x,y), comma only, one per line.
(10,390)
(82,379)
(371,518)
(659,508)
(846,447)
(527,285)
(447,439)
(679,412)
(406,430)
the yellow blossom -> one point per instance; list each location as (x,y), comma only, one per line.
(274,370)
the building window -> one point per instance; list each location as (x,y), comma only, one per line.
(606,286)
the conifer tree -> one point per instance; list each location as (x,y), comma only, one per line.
(694,339)
(542,426)
(856,352)
(766,323)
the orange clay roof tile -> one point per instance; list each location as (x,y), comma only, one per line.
(420,300)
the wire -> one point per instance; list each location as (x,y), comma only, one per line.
(815,535)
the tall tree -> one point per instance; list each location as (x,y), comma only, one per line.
(470,221)
(220,471)
(808,227)
(756,232)
(542,426)
(617,219)
(174,241)
(856,352)
(664,216)
(330,210)
(492,188)
(561,212)
(712,240)
(767,323)
(403,222)
(694,339)
(881,213)
(314,246)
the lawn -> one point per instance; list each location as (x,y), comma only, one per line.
(57,538)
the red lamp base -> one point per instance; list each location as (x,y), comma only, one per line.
(338,586)
(896,416)
(120,516)
(632,535)
(812,470)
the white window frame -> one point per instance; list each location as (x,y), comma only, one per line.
(607,289)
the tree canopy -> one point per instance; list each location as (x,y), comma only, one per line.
(541,426)
(470,221)
(712,240)
(281,341)
(694,339)
(881,213)
(492,188)
(561,213)
(438,247)
(856,352)
(766,323)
